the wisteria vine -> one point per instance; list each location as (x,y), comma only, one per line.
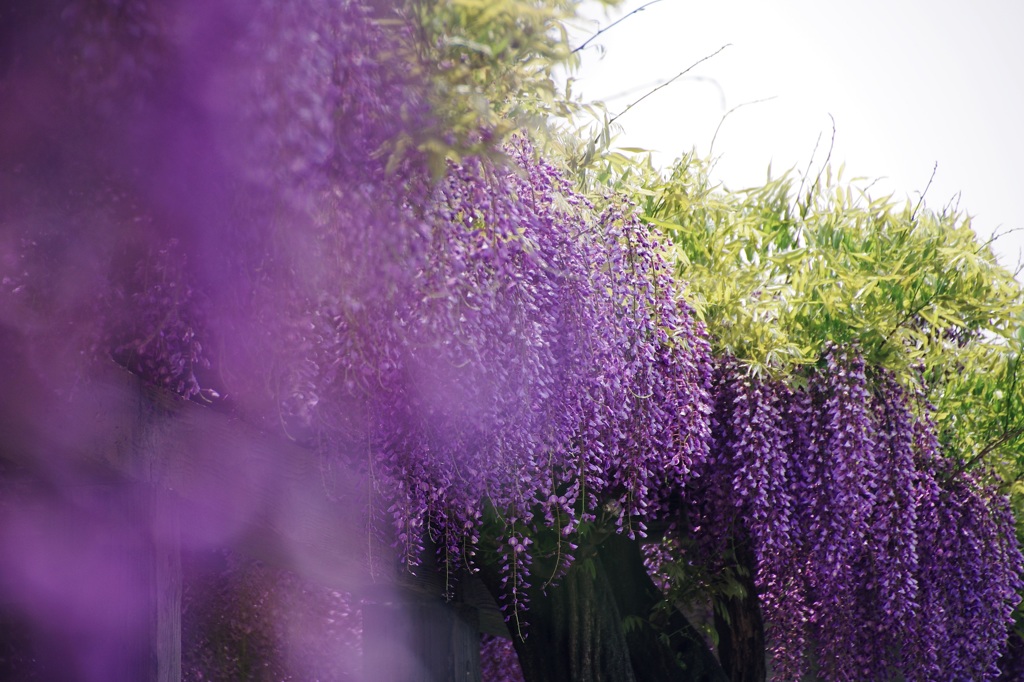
(481,344)
(875,557)
(484,346)
(542,366)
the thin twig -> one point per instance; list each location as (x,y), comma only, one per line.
(661,81)
(613,25)
(909,314)
(810,161)
(1006,437)
(874,182)
(668,82)
(953,205)
(999,235)
(920,201)
(828,157)
(996,235)
(714,137)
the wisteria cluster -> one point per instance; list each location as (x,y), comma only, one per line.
(224,136)
(485,347)
(870,550)
(539,366)
(154,323)
(483,343)
(498,662)
(242,620)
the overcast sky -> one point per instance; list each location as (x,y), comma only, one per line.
(909,83)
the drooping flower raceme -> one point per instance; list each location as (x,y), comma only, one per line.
(483,342)
(869,549)
(541,364)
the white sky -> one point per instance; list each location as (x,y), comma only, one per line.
(908,82)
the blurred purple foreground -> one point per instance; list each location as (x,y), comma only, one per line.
(125,127)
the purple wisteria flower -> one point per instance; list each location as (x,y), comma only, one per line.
(875,557)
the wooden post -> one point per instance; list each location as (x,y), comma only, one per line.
(160,469)
(166,586)
(409,637)
(95,588)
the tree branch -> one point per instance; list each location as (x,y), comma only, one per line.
(668,82)
(613,25)
(920,200)
(992,445)
(810,162)
(714,137)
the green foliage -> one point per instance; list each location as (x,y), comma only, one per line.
(492,64)
(979,398)
(631,623)
(779,273)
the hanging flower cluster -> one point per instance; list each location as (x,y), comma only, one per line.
(538,364)
(498,662)
(154,322)
(479,343)
(870,550)
(243,620)
(224,136)
(483,343)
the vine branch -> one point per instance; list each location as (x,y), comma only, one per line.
(920,200)
(714,137)
(613,25)
(668,82)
